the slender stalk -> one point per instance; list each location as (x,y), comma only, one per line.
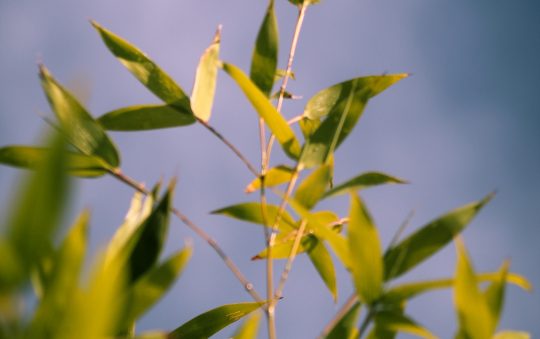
(351,301)
(365,323)
(290,260)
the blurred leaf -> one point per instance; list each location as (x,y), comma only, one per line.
(309,126)
(275,121)
(512,335)
(322,260)
(82,131)
(151,287)
(494,294)
(145,117)
(12,273)
(30,157)
(252,212)
(152,335)
(346,328)
(342,104)
(265,53)
(274,176)
(362,181)
(311,190)
(204,88)
(300,2)
(394,321)
(475,320)
(429,239)
(249,328)
(365,251)
(211,322)
(145,70)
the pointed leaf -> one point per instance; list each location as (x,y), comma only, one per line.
(265,53)
(342,104)
(393,321)
(204,88)
(346,328)
(321,259)
(275,121)
(311,190)
(274,176)
(145,117)
(252,212)
(494,294)
(82,131)
(211,322)
(363,181)
(366,254)
(429,239)
(249,328)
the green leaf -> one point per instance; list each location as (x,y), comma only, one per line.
(429,239)
(30,157)
(512,335)
(366,254)
(249,328)
(211,322)
(363,181)
(252,212)
(494,294)
(311,190)
(145,117)
(151,287)
(274,176)
(275,121)
(474,317)
(82,131)
(346,328)
(395,321)
(342,104)
(321,259)
(145,70)
(265,53)
(204,88)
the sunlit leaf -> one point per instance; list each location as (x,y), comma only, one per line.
(145,70)
(249,328)
(346,328)
(204,88)
(311,190)
(274,176)
(429,239)
(363,181)
(211,322)
(275,121)
(145,117)
(265,53)
(252,212)
(512,335)
(494,294)
(365,251)
(322,260)
(342,105)
(393,321)
(82,131)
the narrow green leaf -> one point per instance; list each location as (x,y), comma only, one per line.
(363,181)
(475,320)
(145,70)
(494,294)
(265,53)
(249,328)
(429,239)
(204,88)
(30,157)
(346,328)
(395,321)
(145,117)
(211,322)
(275,121)
(311,190)
(252,212)
(274,176)
(512,335)
(342,105)
(322,260)
(82,131)
(366,254)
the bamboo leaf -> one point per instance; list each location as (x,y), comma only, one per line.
(249,328)
(211,322)
(395,321)
(145,70)
(363,181)
(82,131)
(429,239)
(274,176)
(204,88)
(252,212)
(145,117)
(346,328)
(494,294)
(311,190)
(265,53)
(275,121)
(321,259)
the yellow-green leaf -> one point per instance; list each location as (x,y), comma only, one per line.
(145,117)
(395,321)
(274,176)
(249,328)
(322,260)
(363,181)
(312,188)
(494,294)
(347,327)
(252,212)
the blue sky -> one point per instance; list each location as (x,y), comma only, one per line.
(466,123)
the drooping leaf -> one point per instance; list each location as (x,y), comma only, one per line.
(322,260)
(275,121)
(362,181)
(342,105)
(274,176)
(429,239)
(145,117)
(211,322)
(365,251)
(30,157)
(346,328)
(265,53)
(252,212)
(249,328)
(494,294)
(311,190)
(512,335)
(204,88)
(145,70)
(395,321)
(82,131)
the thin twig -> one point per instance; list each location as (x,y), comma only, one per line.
(365,323)
(351,301)
(290,260)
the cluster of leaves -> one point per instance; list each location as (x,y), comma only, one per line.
(127,278)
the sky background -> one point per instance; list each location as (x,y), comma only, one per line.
(466,123)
